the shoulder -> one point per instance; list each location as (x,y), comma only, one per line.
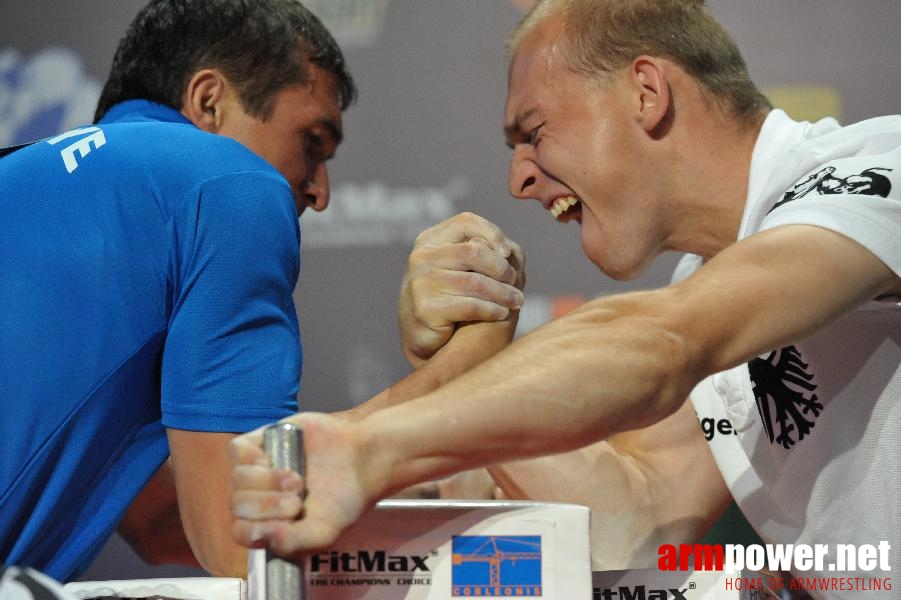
(863,159)
(184,164)
(183,147)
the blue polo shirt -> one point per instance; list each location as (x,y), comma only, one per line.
(146,278)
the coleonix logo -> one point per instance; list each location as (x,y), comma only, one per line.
(496,566)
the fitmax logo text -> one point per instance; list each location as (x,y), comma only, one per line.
(364,561)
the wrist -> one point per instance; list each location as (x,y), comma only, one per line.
(377,459)
(472,344)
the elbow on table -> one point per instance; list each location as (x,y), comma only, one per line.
(225,562)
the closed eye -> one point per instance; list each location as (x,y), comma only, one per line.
(318,148)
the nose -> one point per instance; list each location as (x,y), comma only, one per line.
(316,189)
(524,173)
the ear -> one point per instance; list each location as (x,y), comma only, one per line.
(204,100)
(652,91)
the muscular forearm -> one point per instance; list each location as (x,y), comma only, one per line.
(645,488)
(614,365)
(627,361)
(554,390)
(613,486)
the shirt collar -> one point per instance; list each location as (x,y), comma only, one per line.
(778,135)
(142,110)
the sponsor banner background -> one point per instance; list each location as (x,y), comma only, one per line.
(424,142)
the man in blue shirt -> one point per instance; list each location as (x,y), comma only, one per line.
(147,265)
(146,275)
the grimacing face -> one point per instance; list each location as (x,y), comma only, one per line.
(298,139)
(578,152)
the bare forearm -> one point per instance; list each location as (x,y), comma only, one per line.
(552,391)
(645,488)
(614,365)
(627,361)
(472,344)
(595,476)
(201,468)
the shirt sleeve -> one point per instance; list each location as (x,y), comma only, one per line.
(232,357)
(858,197)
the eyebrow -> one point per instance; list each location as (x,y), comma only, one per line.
(513,130)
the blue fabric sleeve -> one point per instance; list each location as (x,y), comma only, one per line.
(232,357)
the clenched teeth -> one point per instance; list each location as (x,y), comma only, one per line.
(561,205)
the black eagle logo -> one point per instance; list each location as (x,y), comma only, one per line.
(785,395)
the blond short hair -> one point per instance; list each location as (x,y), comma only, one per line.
(603,36)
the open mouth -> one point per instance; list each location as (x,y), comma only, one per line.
(566,208)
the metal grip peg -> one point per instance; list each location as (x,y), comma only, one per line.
(283,444)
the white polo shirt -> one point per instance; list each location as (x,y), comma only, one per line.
(812,444)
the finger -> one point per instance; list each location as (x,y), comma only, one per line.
(488,260)
(285,539)
(465,226)
(255,477)
(462,310)
(253,533)
(517,257)
(471,255)
(451,288)
(256,505)
(290,540)
(245,450)
(325,518)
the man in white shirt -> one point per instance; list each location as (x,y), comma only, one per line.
(637,120)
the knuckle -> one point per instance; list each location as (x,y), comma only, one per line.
(420,295)
(423,313)
(471,251)
(416,257)
(425,235)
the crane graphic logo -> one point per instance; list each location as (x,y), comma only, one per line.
(496,566)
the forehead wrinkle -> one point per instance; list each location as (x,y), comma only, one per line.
(541,50)
(514,129)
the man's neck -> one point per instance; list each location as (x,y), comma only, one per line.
(713,185)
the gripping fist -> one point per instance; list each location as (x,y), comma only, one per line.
(293,515)
(463,269)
